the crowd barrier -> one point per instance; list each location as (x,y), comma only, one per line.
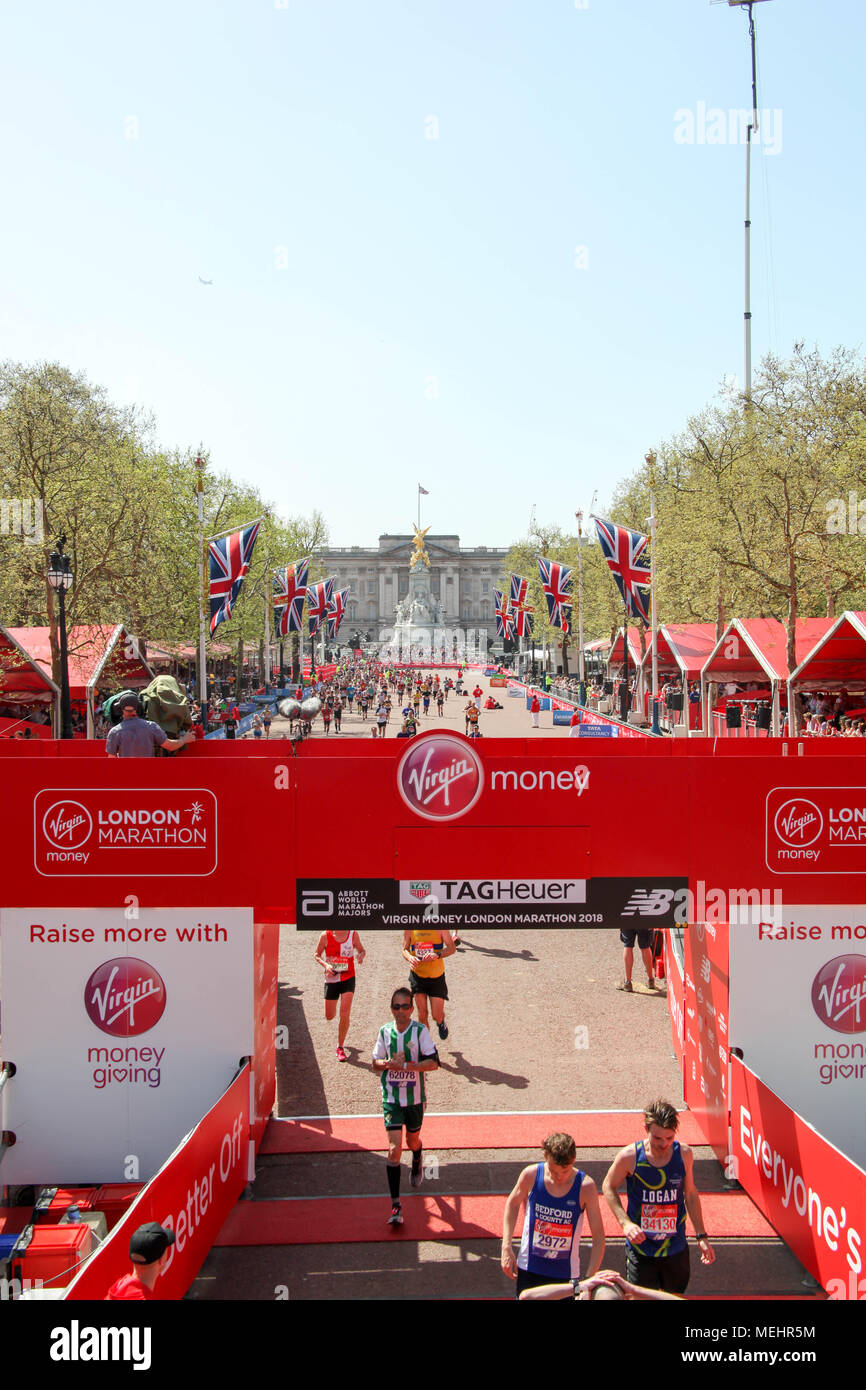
(192,1194)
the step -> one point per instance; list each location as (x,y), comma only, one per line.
(495,1130)
(342,1220)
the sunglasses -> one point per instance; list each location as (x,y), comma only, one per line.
(400,1006)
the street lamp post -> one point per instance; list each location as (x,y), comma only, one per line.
(60,579)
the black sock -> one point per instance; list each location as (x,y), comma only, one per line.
(416,1158)
(393,1171)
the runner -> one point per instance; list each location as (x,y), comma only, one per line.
(555,1195)
(381,719)
(660,1189)
(403,1052)
(335,953)
(267,720)
(326,717)
(425,952)
(440,701)
(470,714)
(338,714)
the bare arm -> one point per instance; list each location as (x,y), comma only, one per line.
(619,1170)
(589,1200)
(692,1199)
(513,1206)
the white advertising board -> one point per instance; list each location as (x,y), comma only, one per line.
(124,1032)
(798,1012)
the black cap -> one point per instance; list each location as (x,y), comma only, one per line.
(149,1243)
(129,699)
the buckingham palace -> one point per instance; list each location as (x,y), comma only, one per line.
(462,579)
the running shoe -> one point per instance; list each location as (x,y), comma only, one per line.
(626,985)
(341,1055)
(396,1217)
(443,1029)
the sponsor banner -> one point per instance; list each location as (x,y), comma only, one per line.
(499,682)
(519,693)
(119,832)
(543,701)
(592,719)
(383,904)
(490,670)
(811,1193)
(192,1194)
(818,830)
(267,942)
(705,1031)
(123,1029)
(675,991)
(598,731)
(562,715)
(798,1012)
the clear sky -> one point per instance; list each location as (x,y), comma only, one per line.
(491,246)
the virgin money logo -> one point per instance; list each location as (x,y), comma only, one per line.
(440,777)
(798,822)
(125,996)
(67,824)
(839,994)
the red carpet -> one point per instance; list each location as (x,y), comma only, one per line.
(591,1130)
(333,1220)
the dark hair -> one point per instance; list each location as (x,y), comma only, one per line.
(559,1148)
(662,1113)
(404,989)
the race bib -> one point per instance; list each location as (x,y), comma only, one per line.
(425,950)
(658,1219)
(551,1238)
(335,967)
(402,1078)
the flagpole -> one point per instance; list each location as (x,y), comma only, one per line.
(651,461)
(623,703)
(202,589)
(580,667)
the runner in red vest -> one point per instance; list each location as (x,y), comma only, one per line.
(335,952)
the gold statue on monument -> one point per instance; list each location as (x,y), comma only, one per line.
(420,553)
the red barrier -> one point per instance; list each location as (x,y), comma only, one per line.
(813,1196)
(192,1193)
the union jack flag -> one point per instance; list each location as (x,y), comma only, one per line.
(336,612)
(318,602)
(521,611)
(229,560)
(504,616)
(625,552)
(290,590)
(556,583)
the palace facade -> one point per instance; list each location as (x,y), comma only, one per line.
(461,578)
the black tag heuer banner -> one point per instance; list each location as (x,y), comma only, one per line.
(384,903)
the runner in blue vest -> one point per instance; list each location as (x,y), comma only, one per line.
(555,1195)
(660,1188)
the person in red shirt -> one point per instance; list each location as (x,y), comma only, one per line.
(149,1248)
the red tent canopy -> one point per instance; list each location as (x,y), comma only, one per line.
(682,647)
(98,655)
(755,649)
(839,657)
(616,655)
(22,680)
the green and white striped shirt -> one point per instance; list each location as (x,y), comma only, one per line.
(403,1087)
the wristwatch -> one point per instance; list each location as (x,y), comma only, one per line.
(575,1284)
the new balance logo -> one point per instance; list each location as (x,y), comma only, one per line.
(648,902)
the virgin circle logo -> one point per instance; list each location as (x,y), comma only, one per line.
(67,824)
(125,996)
(440,777)
(798,822)
(839,994)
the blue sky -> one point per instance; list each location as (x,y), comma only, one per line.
(391,200)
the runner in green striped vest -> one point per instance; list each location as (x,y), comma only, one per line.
(404,1050)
